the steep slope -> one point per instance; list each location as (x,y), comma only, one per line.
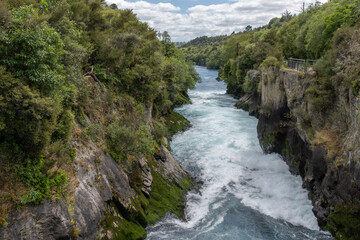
(86,96)
(103,199)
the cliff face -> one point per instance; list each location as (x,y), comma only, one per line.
(104,198)
(104,204)
(321,144)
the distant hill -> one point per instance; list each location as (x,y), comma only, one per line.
(205,40)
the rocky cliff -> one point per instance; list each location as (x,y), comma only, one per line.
(318,136)
(104,198)
(104,204)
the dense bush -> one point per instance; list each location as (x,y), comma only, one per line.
(25,117)
(271,62)
(45,49)
(30,49)
(125,140)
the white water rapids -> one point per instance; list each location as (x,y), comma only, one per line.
(245,194)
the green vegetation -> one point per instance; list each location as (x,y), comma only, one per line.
(129,135)
(205,51)
(123,140)
(46,47)
(42,183)
(344,222)
(251,84)
(205,41)
(120,227)
(268,141)
(166,196)
(320,32)
(176,123)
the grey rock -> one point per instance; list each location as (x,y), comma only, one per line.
(47,221)
(146,176)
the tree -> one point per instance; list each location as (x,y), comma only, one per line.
(248,28)
(286,15)
(113,6)
(31,50)
(165,37)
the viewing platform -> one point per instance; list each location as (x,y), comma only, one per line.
(299,64)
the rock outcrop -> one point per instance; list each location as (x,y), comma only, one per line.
(101,188)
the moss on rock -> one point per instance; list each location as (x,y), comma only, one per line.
(176,123)
(117,227)
(182,99)
(167,196)
(244,107)
(344,222)
(268,140)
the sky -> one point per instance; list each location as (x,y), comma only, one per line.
(188,19)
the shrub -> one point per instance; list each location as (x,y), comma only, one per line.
(34,174)
(123,140)
(94,132)
(347,52)
(324,66)
(25,116)
(64,126)
(251,81)
(344,222)
(32,197)
(321,94)
(271,62)
(160,129)
(356,86)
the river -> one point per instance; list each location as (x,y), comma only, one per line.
(245,194)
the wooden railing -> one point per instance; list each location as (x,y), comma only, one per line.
(299,64)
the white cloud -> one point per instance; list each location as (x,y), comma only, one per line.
(211,20)
(143,5)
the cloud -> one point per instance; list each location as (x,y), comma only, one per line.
(143,5)
(210,20)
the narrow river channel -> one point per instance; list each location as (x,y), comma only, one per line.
(245,194)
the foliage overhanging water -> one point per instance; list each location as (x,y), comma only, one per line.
(245,194)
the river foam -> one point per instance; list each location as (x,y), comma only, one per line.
(245,194)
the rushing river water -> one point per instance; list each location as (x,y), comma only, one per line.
(245,194)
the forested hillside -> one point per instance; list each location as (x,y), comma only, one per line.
(205,51)
(78,71)
(320,32)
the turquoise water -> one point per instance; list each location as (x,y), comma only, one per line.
(245,194)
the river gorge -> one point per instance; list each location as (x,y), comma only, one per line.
(245,194)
